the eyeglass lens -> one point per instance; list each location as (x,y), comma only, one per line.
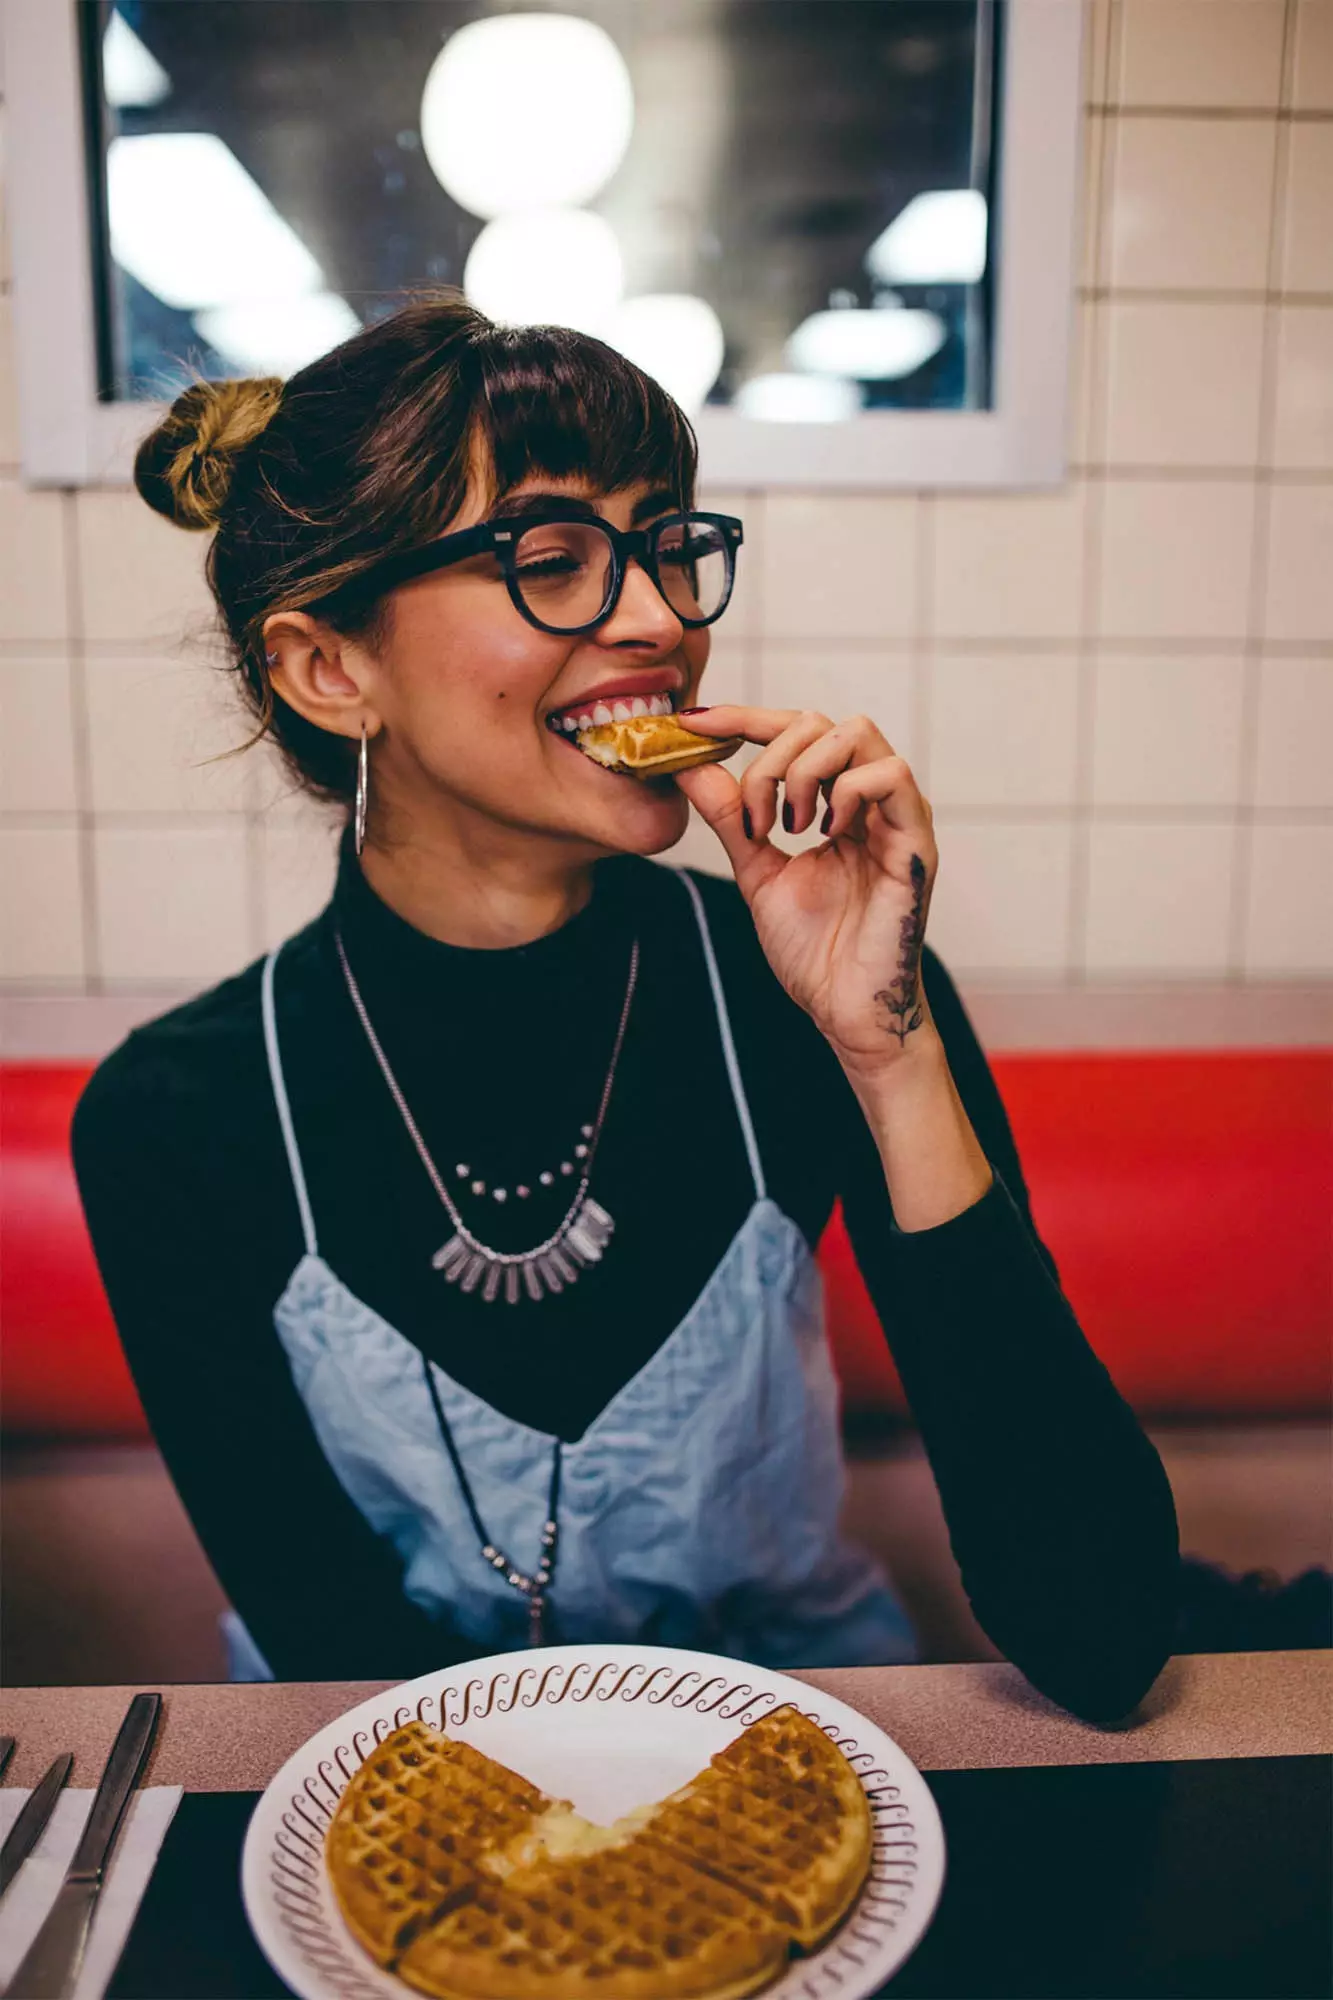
(564,570)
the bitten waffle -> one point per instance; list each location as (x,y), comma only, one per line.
(472,1884)
(653,746)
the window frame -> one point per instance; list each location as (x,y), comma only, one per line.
(69,438)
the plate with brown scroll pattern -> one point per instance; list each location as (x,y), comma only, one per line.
(610,1728)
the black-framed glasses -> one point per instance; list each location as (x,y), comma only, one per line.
(565,573)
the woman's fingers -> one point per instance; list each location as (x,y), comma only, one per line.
(735,718)
(716,797)
(760,781)
(850,765)
(888,786)
(841,746)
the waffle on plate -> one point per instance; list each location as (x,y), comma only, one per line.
(472,1884)
(653,746)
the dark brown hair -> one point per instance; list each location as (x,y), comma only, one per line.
(368,452)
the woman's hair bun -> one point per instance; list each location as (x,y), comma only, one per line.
(183,468)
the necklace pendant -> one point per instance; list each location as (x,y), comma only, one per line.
(492,1275)
(536,1619)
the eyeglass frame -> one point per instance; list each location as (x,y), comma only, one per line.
(500,538)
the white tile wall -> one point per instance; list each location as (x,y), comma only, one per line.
(32,565)
(1001,899)
(1183,380)
(842,568)
(1207,53)
(1176,559)
(1303,418)
(298,860)
(1307,259)
(1289,927)
(41,905)
(1009,566)
(1003,729)
(161,733)
(1167,730)
(36,736)
(1118,696)
(172,902)
(1300,564)
(9,403)
(1294,759)
(141,578)
(1159,899)
(1312,88)
(1190,206)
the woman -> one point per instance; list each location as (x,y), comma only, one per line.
(462,1250)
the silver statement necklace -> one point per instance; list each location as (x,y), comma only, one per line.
(584,1231)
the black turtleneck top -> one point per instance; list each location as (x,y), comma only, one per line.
(1058,1509)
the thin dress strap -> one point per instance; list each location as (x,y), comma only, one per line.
(728,1044)
(280,1098)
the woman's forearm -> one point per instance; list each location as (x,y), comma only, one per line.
(933,1161)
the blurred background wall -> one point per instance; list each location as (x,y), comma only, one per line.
(1118,696)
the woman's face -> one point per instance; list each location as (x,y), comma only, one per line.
(464,687)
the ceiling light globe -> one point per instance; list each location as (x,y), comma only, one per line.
(522,109)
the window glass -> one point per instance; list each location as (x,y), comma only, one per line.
(780,206)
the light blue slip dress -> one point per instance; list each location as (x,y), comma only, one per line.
(699,1509)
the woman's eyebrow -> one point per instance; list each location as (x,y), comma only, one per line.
(539,503)
(654,503)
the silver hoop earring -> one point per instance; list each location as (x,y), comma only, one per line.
(362,793)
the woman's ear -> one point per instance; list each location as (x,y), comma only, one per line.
(326,678)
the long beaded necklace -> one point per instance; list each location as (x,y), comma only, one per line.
(534,1588)
(578,1240)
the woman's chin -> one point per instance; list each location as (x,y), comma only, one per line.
(650,818)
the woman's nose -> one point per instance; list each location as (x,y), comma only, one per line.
(642,615)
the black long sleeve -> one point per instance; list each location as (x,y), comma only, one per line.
(1088,1582)
(1069,1561)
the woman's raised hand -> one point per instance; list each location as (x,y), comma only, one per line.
(842,924)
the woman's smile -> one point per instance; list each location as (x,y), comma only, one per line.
(655,692)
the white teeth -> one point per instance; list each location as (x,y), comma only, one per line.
(660,705)
(620,711)
(570,725)
(639,706)
(601,715)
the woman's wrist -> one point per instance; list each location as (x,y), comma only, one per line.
(933,1162)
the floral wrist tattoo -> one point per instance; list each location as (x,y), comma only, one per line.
(901,998)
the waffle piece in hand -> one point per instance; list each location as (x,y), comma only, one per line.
(630,1920)
(407,1838)
(781,1814)
(653,746)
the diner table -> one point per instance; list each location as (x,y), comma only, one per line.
(1187,1851)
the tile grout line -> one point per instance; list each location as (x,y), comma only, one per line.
(77,671)
(1242,853)
(752,665)
(921,686)
(1094,389)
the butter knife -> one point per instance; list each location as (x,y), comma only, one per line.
(27,1829)
(51,1963)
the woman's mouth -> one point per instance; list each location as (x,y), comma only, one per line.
(594,715)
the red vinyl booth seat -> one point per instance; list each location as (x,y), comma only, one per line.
(1185,1197)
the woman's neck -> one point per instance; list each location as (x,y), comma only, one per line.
(517,891)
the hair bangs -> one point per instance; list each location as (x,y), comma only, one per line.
(560,403)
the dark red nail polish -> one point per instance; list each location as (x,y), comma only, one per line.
(747,822)
(788,817)
(695,711)
(827,821)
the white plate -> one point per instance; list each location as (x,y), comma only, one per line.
(609,1727)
